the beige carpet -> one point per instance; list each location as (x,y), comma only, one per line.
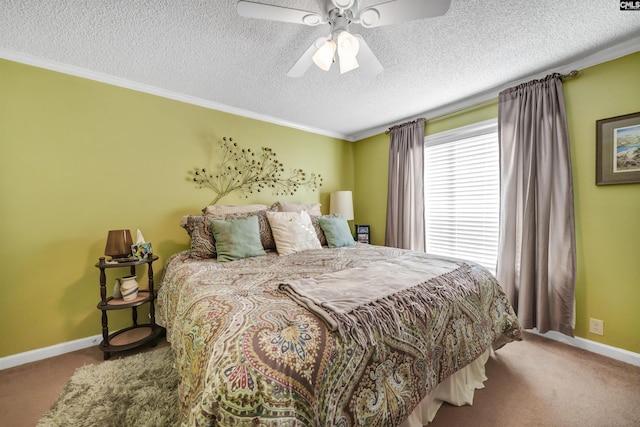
(536,382)
(540,382)
(29,390)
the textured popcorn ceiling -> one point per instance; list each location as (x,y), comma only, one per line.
(203,52)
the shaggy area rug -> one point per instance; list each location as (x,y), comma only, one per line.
(139,390)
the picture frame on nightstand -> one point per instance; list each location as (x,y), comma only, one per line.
(363,233)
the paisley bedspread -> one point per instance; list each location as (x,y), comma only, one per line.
(248,355)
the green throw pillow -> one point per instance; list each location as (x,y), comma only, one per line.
(337,232)
(237,238)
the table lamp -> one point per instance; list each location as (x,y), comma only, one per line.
(118,244)
(341,202)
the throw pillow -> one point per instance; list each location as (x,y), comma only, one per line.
(315,220)
(237,238)
(311,209)
(266,237)
(202,243)
(293,232)
(337,231)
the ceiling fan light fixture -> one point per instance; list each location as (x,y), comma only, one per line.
(347,44)
(323,58)
(348,63)
(348,47)
(338,14)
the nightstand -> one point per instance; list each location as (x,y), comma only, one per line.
(137,334)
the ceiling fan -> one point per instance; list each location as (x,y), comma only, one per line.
(351,49)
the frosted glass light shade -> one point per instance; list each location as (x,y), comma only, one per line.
(347,44)
(348,63)
(341,202)
(348,47)
(323,58)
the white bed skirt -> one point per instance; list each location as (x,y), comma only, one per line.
(457,390)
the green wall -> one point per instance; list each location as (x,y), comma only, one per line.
(607,217)
(78,158)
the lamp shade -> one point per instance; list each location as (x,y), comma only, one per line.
(118,244)
(341,202)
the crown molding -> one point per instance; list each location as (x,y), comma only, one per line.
(139,87)
(604,55)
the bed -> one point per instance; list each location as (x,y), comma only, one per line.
(256,343)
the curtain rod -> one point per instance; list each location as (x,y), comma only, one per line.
(405,123)
(571,73)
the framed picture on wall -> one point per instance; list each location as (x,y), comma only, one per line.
(618,150)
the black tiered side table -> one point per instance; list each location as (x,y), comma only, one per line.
(137,334)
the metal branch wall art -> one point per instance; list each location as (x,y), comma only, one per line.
(248,171)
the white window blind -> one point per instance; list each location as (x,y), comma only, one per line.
(462,193)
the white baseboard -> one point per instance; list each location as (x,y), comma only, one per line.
(46,352)
(67,347)
(592,346)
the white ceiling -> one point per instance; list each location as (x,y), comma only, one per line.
(201,51)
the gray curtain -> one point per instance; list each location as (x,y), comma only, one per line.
(405,199)
(536,253)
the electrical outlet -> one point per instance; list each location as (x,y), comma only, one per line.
(596,326)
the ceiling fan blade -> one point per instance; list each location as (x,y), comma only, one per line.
(249,9)
(302,65)
(402,10)
(366,58)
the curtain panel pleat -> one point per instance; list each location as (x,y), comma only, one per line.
(405,199)
(536,251)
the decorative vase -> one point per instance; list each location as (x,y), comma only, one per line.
(116,290)
(129,288)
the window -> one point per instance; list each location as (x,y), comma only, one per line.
(462,193)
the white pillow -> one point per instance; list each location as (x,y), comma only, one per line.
(312,209)
(232,209)
(293,232)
